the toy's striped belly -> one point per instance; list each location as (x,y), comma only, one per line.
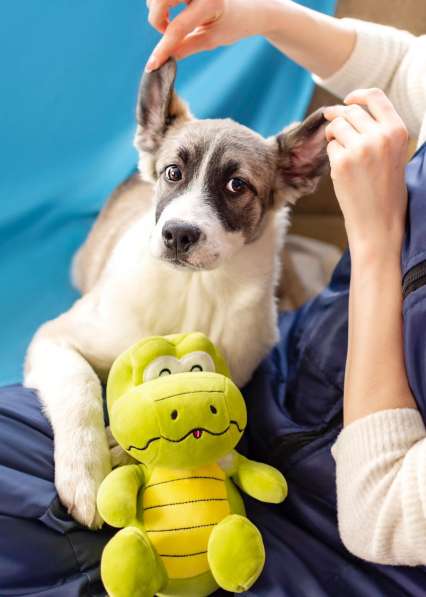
(180,509)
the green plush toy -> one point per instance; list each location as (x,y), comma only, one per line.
(174,408)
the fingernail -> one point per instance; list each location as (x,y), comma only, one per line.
(151,64)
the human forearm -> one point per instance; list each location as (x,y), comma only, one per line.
(380,453)
(350,54)
(347,54)
(376,378)
(367,151)
(320,43)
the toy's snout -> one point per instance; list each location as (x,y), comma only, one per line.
(193,402)
(185,419)
(200,415)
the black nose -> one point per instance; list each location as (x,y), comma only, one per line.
(180,237)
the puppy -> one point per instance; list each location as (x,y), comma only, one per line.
(190,242)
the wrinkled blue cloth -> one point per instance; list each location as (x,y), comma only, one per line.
(69,78)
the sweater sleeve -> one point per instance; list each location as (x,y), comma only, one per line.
(390,59)
(381,487)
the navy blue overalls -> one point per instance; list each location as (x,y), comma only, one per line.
(295,414)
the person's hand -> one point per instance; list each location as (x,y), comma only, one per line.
(204,25)
(368,145)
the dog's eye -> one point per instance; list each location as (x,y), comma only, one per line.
(196,368)
(236,185)
(173,173)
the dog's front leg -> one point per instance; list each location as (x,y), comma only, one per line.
(71,395)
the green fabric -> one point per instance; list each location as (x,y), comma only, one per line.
(117,496)
(261,481)
(236,503)
(130,567)
(198,586)
(236,554)
(173,407)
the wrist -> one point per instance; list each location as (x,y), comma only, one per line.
(375,263)
(373,254)
(376,248)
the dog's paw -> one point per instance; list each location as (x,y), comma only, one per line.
(80,467)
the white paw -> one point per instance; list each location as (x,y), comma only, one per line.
(82,461)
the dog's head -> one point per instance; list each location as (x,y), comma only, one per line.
(215,180)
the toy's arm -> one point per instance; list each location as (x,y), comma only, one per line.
(261,481)
(117,495)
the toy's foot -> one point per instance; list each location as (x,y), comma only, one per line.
(130,566)
(236,553)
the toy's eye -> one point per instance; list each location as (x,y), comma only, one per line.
(213,409)
(162,366)
(174,415)
(197,361)
(236,185)
(173,173)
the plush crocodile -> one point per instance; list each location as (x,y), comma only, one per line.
(175,410)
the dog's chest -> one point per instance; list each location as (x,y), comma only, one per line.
(163,300)
(147,296)
(156,301)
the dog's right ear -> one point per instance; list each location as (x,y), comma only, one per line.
(302,157)
(158,107)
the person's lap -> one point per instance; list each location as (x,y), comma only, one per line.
(294,402)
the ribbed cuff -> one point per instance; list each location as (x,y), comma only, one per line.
(395,430)
(364,67)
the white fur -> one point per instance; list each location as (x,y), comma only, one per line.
(139,295)
(71,395)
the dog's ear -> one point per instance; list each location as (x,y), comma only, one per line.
(302,157)
(158,107)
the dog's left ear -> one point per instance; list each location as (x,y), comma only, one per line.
(158,107)
(302,157)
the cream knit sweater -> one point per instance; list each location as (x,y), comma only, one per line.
(381,459)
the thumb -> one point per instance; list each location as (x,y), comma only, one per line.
(184,24)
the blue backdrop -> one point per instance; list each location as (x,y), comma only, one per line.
(69,77)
